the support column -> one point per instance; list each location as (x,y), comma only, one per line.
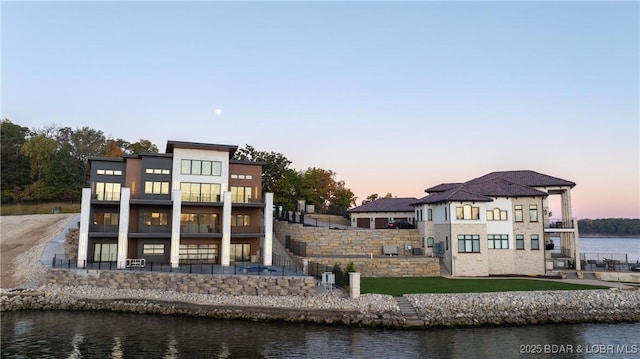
(354,285)
(225,251)
(174,256)
(123,228)
(83,236)
(267,249)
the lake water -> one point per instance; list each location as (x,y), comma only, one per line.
(38,334)
(608,245)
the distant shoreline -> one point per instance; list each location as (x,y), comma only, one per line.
(590,235)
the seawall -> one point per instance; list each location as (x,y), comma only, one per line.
(434,310)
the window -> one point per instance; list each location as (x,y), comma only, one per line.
(105,252)
(240,220)
(468,243)
(199,167)
(106,191)
(498,241)
(200,192)
(242,177)
(429,214)
(240,252)
(155,219)
(535,241)
(517,213)
(430,242)
(445,213)
(497,214)
(199,252)
(157,171)
(109,172)
(109,219)
(199,223)
(519,241)
(156,249)
(240,194)
(533,213)
(151,187)
(467,212)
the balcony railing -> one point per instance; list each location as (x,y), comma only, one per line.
(199,228)
(247,229)
(106,196)
(103,228)
(246,200)
(559,224)
(201,197)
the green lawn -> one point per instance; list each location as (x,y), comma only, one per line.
(414,285)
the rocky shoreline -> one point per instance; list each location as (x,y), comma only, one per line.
(333,308)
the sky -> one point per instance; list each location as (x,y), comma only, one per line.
(394,97)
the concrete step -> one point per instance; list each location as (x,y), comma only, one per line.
(589,275)
(412,319)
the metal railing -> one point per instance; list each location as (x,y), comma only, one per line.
(298,248)
(559,223)
(281,267)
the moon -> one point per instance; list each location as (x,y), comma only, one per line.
(218,112)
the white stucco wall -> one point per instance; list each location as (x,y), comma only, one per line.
(206,155)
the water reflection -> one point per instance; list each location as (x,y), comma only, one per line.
(116,335)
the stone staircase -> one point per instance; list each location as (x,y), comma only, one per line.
(409,313)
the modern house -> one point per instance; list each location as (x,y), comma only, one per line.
(192,204)
(376,214)
(498,224)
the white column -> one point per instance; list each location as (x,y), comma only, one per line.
(123,228)
(83,238)
(354,285)
(267,249)
(174,256)
(225,251)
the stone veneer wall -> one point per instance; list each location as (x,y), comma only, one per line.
(323,241)
(330,247)
(329,218)
(188,283)
(417,266)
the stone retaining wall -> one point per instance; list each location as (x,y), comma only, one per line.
(189,283)
(328,218)
(386,266)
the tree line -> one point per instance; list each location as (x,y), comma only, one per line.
(610,226)
(52,164)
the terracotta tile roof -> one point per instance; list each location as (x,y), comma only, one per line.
(387,205)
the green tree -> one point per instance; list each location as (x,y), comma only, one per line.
(141,146)
(277,177)
(14,164)
(40,150)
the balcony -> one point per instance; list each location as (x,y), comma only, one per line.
(192,228)
(105,197)
(558,225)
(103,228)
(201,197)
(246,231)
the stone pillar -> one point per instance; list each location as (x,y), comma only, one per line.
(354,285)
(83,235)
(225,250)
(174,255)
(123,228)
(267,248)
(305,266)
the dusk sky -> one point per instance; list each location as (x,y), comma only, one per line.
(392,96)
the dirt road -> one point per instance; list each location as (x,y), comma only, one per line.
(21,243)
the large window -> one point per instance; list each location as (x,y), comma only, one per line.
(207,253)
(517,213)
(429,214)
(105,252)
(200,192)
(497,214)
(468,243)
(498,241)
(240,194)
(106,218)
(199,223)
(535,241)
(241,220)
(107,191)
(519,241)
(199,167)
(155,219)
(533,213)
(153,187)
(153,248)
(467,212)
(240,252)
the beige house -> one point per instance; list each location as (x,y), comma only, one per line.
(376,214)
(498,224)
